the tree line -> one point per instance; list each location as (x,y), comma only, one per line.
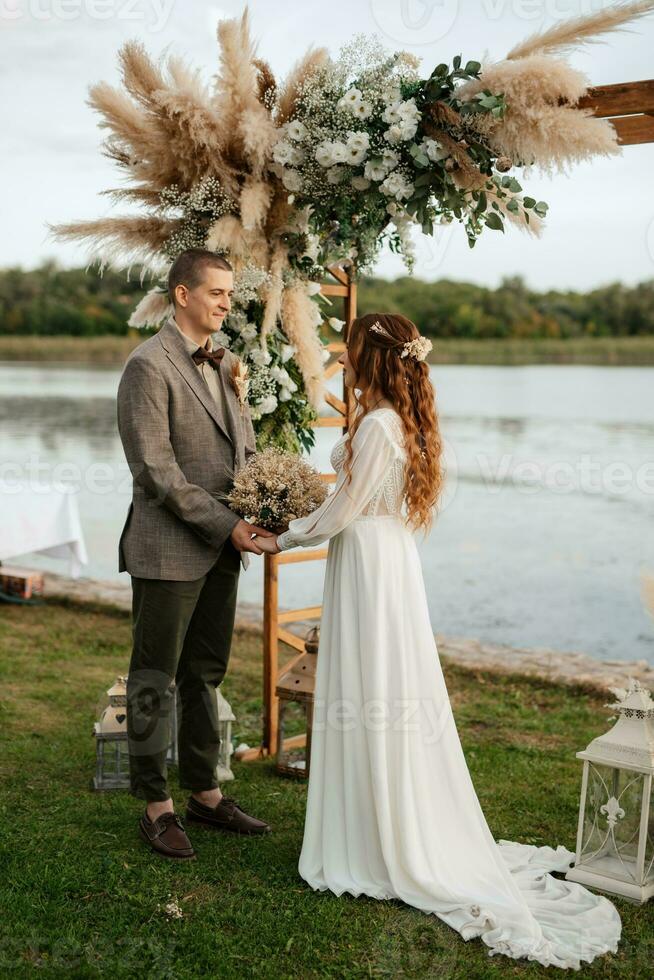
(51,301)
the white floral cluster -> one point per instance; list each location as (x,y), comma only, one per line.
(249,283)
(355,132)
(270,382)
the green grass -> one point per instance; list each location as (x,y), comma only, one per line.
(81,896)
(112,351)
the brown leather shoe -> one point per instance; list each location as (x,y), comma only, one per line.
(166,836)
(227,815)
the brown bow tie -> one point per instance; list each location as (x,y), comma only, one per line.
(213,356)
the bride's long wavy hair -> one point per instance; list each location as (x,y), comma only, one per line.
(404,381)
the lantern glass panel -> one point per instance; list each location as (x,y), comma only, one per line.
(649,848)
(293,720)
(612,821)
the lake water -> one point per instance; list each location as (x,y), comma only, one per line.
(546,533)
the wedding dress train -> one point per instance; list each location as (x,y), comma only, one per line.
(391,810)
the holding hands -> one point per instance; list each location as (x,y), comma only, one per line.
(250,537)
(268,545)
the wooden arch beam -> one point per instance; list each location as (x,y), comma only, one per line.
(628,105)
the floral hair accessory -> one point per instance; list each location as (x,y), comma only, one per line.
(418,348)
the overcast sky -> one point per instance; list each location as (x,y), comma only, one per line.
(601,223)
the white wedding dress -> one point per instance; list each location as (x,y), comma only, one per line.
(391,811)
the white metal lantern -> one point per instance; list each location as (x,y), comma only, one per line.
(615,837)
(110,732)
(225,718)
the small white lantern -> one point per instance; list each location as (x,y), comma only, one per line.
(110,732)
(225,718)
(615,838)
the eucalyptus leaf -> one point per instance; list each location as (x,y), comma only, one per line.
(494,221)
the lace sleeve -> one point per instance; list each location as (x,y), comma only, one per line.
(373,452)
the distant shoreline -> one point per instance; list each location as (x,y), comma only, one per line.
(111,352)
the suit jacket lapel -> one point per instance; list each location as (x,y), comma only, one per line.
(177,353)
(232,409)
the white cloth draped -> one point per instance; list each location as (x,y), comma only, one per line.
(391,810)
(43,520)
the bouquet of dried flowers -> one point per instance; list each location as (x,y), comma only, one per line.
(274,488)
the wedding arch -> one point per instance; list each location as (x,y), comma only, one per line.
(304,181)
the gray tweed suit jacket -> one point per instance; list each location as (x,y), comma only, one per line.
(183,449)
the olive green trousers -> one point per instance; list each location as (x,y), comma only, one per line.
(182,632)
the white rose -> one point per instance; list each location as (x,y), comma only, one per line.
(359,140)
(396,186)
(374,169)
(296,130)
(282,152)
(354,155)
(298,155)
(260,357)
(249,332)
(221,338)
(338,152)
(352,97)
(360,183)
(400,131)
(292,180)
(409,127)
(280,374)
(324,154)
(284,395)
(336,324)
(267,405)
(363,110)
(286,352)
(394,133)
(391,95)
(434,150)
(390,159)
(312,287)
(408,109)
(391,113)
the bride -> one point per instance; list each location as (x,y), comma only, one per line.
(391,809)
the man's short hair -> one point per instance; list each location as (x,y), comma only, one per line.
(188,268)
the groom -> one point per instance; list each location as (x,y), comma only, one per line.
(185,434)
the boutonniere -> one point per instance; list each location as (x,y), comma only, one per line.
(240,381)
